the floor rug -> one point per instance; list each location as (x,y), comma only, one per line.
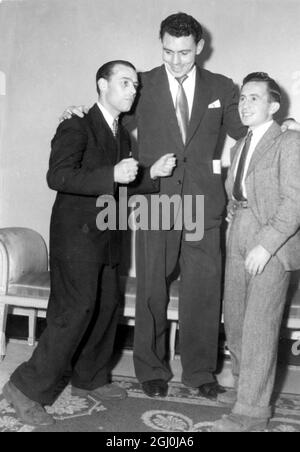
(182,411)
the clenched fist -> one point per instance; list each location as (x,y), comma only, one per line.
(126,171)
(163,167)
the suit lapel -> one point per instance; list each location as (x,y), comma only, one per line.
(202,98)
(263,145)
(161,95)
(103,134)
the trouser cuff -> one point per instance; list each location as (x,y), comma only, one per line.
(252,411)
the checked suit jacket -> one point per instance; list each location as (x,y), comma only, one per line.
(273,192)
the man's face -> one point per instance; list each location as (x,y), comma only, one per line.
(118,93)
(179,54)
(255,105)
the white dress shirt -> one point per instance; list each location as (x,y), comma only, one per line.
(257,134)
(188,85)
(107,116)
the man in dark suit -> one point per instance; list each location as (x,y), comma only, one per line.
(187,122)
(90,157)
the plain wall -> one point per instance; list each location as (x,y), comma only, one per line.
(51,50)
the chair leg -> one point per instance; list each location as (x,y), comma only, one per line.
(3,319)
(32,327)
(173,329)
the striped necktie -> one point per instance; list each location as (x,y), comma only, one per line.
(182,108)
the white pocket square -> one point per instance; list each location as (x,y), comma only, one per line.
(215,104)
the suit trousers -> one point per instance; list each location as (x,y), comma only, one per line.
(253,310)
(78,341)
(158,253)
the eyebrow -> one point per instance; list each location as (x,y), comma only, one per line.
(179,51)
(251,94)
(130,80)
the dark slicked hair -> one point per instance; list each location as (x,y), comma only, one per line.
(107,70)
(273,88)
(181,24)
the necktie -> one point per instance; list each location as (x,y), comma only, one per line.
(115,127)
(237,188)
(182,108)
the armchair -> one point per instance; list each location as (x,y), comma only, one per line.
(24,279)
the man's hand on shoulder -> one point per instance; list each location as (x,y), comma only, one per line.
(290,124)
(74,110)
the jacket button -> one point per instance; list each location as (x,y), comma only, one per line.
(85,229)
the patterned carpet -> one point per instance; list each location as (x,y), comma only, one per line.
(182,411)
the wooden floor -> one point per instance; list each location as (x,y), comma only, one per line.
(288,377)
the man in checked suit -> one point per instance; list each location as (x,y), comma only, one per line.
(263,187)
(90,157)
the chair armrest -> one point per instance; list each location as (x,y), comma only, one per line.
(22,251)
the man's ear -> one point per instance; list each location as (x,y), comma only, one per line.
(275,106)
(200,46)
(102,84)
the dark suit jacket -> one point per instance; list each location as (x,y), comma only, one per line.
(84,153)
(214,108)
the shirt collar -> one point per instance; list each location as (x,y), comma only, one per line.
(107,116)
(190,75)
(259,131)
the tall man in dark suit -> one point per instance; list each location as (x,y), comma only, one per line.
(90,157)
(182,108)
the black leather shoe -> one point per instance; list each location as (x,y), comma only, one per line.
(211,390)
(155,388)
(28,411)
